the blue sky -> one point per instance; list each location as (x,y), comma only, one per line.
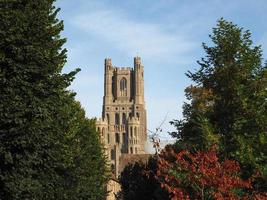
(166,34)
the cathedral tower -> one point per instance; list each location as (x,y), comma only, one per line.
(123,123)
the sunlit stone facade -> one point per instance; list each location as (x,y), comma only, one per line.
(123,123)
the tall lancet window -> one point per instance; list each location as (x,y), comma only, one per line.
(117,119)
(123,87)
(124,118)
(108,118)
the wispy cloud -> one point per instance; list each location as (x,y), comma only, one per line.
(131,36)
(166,33)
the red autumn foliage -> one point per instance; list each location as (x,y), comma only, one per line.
(201,175)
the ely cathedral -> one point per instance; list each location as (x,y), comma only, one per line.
(123,123)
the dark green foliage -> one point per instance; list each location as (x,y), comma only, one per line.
(138,182)
(85,172)
(229,101)
(46,144)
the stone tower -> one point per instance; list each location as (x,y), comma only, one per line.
(123,123)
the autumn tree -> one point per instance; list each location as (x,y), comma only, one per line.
(202,175)
(227,104)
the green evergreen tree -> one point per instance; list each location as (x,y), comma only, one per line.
(47,151)
(85,174)
(228,103)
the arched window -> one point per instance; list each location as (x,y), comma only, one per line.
(136,150)
(137,115)
(131,131)
(131,150)
(117,138)
(123,84)
(125,138)
(108,138)
(124,118)
(108,118)
(117,119)
(114,87)
(123,87)
(135,132)
(103,132)
(112,154)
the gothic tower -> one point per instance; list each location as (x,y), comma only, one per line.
(123,123)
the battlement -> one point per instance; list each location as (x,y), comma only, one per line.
(100,121)
(123,68)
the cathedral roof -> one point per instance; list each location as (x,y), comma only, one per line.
(126,159)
